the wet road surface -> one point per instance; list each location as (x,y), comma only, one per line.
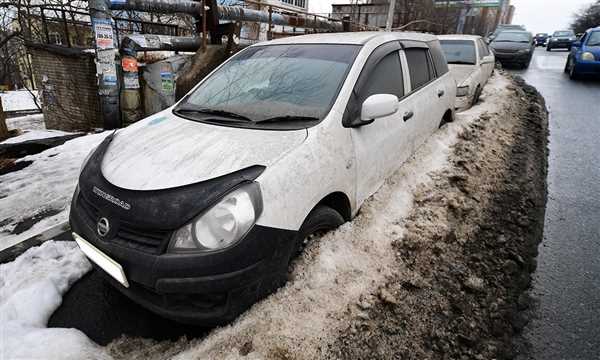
(567,280)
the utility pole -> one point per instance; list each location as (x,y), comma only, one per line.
(390,17)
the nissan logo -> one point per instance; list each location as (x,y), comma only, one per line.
(103,227)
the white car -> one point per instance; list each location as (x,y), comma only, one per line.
(196,212)
(471,64)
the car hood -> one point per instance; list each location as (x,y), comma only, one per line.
(593,49)
(509,46)
(165,151)
(461,72)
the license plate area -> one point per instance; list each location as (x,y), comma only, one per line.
(105,262)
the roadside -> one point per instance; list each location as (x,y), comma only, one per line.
(467,257)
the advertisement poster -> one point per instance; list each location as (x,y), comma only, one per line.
(103,32)
(166,77)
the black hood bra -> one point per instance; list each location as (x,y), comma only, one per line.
(167,209)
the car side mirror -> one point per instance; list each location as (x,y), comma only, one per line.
(378,106)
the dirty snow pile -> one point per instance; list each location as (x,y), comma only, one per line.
(43,190)
(31,288)
(18,100)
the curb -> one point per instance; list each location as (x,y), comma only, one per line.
(11,253)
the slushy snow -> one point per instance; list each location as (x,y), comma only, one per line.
(35,135)
(31,289)
(45,185)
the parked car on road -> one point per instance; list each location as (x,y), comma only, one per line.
(541,39)
(471,64)
(513,47)
(584,58)
(561,40)
(196,212)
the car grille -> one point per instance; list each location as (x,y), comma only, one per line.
(149,241)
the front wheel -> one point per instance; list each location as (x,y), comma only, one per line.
(572,71)
(548,48)
(321,219)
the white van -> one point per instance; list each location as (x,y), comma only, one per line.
(196,212)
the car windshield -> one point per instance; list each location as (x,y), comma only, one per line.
(563,33)
(541,35)
(513,36)
(272,86)
(459,51)
(594,39)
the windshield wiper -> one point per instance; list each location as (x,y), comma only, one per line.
(216,112)
(286,118)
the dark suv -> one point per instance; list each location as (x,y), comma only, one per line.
(513,47)
(562,39)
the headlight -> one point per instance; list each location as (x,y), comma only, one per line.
(462,91)
(222,225)
(524,51)
(587,56)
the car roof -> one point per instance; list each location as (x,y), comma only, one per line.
(351,38)
(459,37)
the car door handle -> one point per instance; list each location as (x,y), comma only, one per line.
(441,93)
(408,115)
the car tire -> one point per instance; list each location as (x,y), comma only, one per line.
(548,48)
(567,65)
(322,218)
(476,95)
(572,71)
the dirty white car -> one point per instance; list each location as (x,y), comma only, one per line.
(196,212)
(471,64)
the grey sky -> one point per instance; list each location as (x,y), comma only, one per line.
(536,15)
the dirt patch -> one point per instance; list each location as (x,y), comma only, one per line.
(470,246)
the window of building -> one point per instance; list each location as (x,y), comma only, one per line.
(55,38)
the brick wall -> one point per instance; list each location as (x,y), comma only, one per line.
(67,84)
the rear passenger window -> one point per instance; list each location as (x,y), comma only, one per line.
(439,59)
(420,67)
(386,78)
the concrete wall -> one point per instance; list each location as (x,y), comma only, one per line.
(67,83)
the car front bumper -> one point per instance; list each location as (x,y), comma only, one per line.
(588,67)
(560,44)
(513,58)
(198,288)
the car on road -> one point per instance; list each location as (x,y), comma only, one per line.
(196,212)
(513,48)
(541,39)
(562,39)
(471,64)
(584,58)
(504,27)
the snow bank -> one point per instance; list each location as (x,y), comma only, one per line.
(35,135)
(31,288)
(27,122)
(18,100)
(44,187)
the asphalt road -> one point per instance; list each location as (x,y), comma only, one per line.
(567,280)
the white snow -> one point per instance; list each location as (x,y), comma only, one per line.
(35,135)
(31,289)
(18,100)
(27,122)
(47,184)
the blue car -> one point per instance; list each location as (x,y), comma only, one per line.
(584,58)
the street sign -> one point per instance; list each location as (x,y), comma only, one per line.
(472,3)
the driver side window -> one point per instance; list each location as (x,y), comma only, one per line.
(386,78)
